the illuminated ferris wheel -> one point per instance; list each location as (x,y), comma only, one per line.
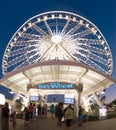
(58,35)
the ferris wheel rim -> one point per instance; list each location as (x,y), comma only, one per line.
(51,12)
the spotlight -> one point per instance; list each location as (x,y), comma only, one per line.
(11,92)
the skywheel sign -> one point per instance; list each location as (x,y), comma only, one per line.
(56,85)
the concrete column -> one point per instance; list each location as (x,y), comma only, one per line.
(79,99)
(97,99)
(27,98)
(79,91)
(15,97)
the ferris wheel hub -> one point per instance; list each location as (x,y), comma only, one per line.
(56,38)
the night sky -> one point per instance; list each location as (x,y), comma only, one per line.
(102,13)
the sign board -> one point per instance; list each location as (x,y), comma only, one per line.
(56,85)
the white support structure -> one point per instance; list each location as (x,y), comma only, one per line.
(15,97)
(97,99)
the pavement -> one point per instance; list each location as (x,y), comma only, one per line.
(50,124)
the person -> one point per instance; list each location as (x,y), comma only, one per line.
(52,110)
(39,110)
(34,112)
(44,110)
(13,120)
(30,108)
(80,116)
(59,113)
(84,116)
(5,117)
(26,117)
(69,115)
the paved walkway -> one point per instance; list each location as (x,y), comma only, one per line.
(50,124)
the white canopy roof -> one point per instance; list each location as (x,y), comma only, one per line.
(57,71)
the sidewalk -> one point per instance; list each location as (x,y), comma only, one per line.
(50,124)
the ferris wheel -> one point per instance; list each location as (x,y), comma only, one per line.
(58,35)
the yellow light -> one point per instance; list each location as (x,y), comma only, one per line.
(19,33)
(11,44)
(6,55)
(87,25)
(99,36)
(74,19)
(105,47)
(66,17)
(38,19)
(109,59)
(30,24)
(15,39)
(24,28)
(102,42)
(53,16)
(60,16)
(93,30)
(81,21)
(108,53)
(45,17)
(8,50)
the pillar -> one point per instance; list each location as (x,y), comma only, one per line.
(79,90)
(14,99)
(97,99)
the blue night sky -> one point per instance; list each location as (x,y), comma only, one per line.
(102,13)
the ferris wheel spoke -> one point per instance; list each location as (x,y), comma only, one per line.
(48,52)
(16,60)
(95,66)
(97,50)
(22,64)
(23,50)
(98,59)
(74,29)
(65,27)
(81,58)
(48,27)
(39,30)
(18,52)
(23,43)
(89,41)
(65,52)
(30,36)
(92,49)
(34,57)
(82,34)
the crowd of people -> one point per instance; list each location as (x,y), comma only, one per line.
(33,112)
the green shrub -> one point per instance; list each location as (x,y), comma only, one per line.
(111,115)
(93,118)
